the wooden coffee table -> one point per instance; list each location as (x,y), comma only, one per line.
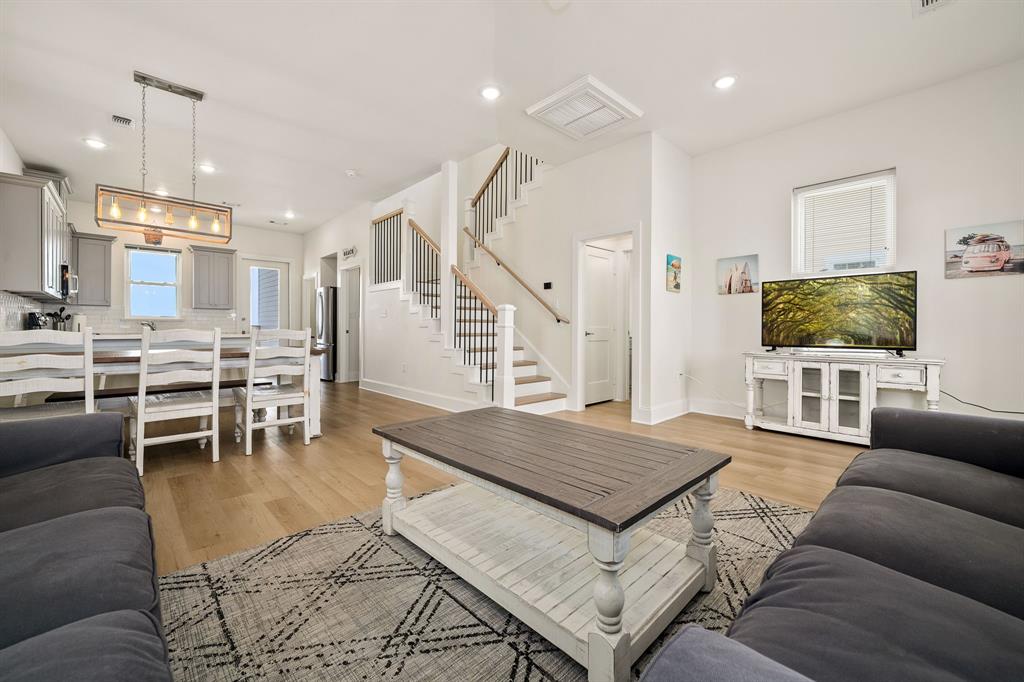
(550,525)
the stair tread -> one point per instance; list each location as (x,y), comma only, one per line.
(538,398)
(515,363)
(535,379)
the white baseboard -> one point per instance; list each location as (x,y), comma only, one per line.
(660,413)
(415,395)
(718,408)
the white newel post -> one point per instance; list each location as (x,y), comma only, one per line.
(469,222)
(449,243)
(408,213)
(504,372)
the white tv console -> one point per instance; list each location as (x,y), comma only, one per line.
(831,394)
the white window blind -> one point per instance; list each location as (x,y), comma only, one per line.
(846,224)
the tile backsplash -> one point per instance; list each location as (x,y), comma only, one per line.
(110,320)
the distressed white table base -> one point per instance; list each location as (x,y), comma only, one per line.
(600,597)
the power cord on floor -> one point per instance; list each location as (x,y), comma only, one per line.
(723,399)
(980,407)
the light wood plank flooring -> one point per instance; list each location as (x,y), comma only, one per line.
(202,511)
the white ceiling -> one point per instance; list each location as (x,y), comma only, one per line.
(299,92)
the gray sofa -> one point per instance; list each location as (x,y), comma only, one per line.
(78,587)
(910,570)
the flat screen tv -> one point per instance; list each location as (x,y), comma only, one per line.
(876,311)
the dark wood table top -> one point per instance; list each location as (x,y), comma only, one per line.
(609,478)
(101,357)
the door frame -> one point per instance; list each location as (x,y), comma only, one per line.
(343,267)
(292,274)
(577,390)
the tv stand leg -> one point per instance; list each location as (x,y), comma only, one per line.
(748,418)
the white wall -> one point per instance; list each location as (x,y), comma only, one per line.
(247,241)
(10,161)
(958,150)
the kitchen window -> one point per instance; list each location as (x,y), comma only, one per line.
(846,224)
(153,282)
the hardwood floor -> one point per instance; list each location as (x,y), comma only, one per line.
(202,511)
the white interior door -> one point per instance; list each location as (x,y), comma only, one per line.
(348,301)
(598,323)
(263,295)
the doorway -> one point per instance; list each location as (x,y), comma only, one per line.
(350,323)
(606,291)
(263,291)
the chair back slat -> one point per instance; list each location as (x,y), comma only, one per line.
(263,371)
(271,352)
(163,336)
(21,363)
(39,372)
(179,376)
(167,357)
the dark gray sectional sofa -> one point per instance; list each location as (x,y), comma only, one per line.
(78,587)
(912,569)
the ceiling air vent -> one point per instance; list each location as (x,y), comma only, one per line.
(122,121)
(584,109)
(925,6)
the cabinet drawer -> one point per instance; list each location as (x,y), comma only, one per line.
(773,367)
(890,374)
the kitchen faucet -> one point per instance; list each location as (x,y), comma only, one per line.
(149,323)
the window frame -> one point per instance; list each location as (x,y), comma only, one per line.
(797,231)
(128,282)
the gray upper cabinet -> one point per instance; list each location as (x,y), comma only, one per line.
(213,278)
(90,262)
(35,236)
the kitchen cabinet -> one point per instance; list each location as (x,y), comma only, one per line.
(213,278)
(90,265)
(36,237)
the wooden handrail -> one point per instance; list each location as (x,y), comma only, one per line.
(426,237)
(385,217)
(490,176)
(475,289)
(516,277)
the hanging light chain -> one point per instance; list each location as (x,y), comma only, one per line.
(193,151)
(143,169)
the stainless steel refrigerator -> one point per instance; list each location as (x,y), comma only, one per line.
(327,330)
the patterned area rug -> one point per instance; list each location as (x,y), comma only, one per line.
(345,602)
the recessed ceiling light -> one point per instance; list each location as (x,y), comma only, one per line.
(725,82)
(289,214)
(490,93)
(352,172)
(95,143)
(207,167)
(162,192)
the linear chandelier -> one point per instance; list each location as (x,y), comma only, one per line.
(155,215)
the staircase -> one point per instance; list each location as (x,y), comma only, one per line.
(477,353)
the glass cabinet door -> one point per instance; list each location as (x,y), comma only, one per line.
(811,382)
(849,404)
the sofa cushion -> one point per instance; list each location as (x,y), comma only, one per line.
(951,548)
(834,616)
(73,567)
(698,654)
(121,645)
(61,489)
(958,484)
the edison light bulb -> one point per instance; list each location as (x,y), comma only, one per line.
(142,214)
(168,216)
(215,225)
(192,222)
(115,210)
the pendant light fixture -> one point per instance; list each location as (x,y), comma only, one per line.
(118,208)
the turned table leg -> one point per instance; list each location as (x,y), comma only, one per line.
(394,500)
(700,546)
(608,649)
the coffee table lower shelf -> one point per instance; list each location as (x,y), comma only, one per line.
(541,571)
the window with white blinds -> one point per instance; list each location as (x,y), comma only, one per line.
(845,224)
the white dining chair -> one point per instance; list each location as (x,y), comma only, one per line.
(51,371)
(274,353)
(173,357)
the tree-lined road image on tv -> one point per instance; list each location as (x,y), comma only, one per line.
(855,311)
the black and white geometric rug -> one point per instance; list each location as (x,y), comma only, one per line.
(344,602)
